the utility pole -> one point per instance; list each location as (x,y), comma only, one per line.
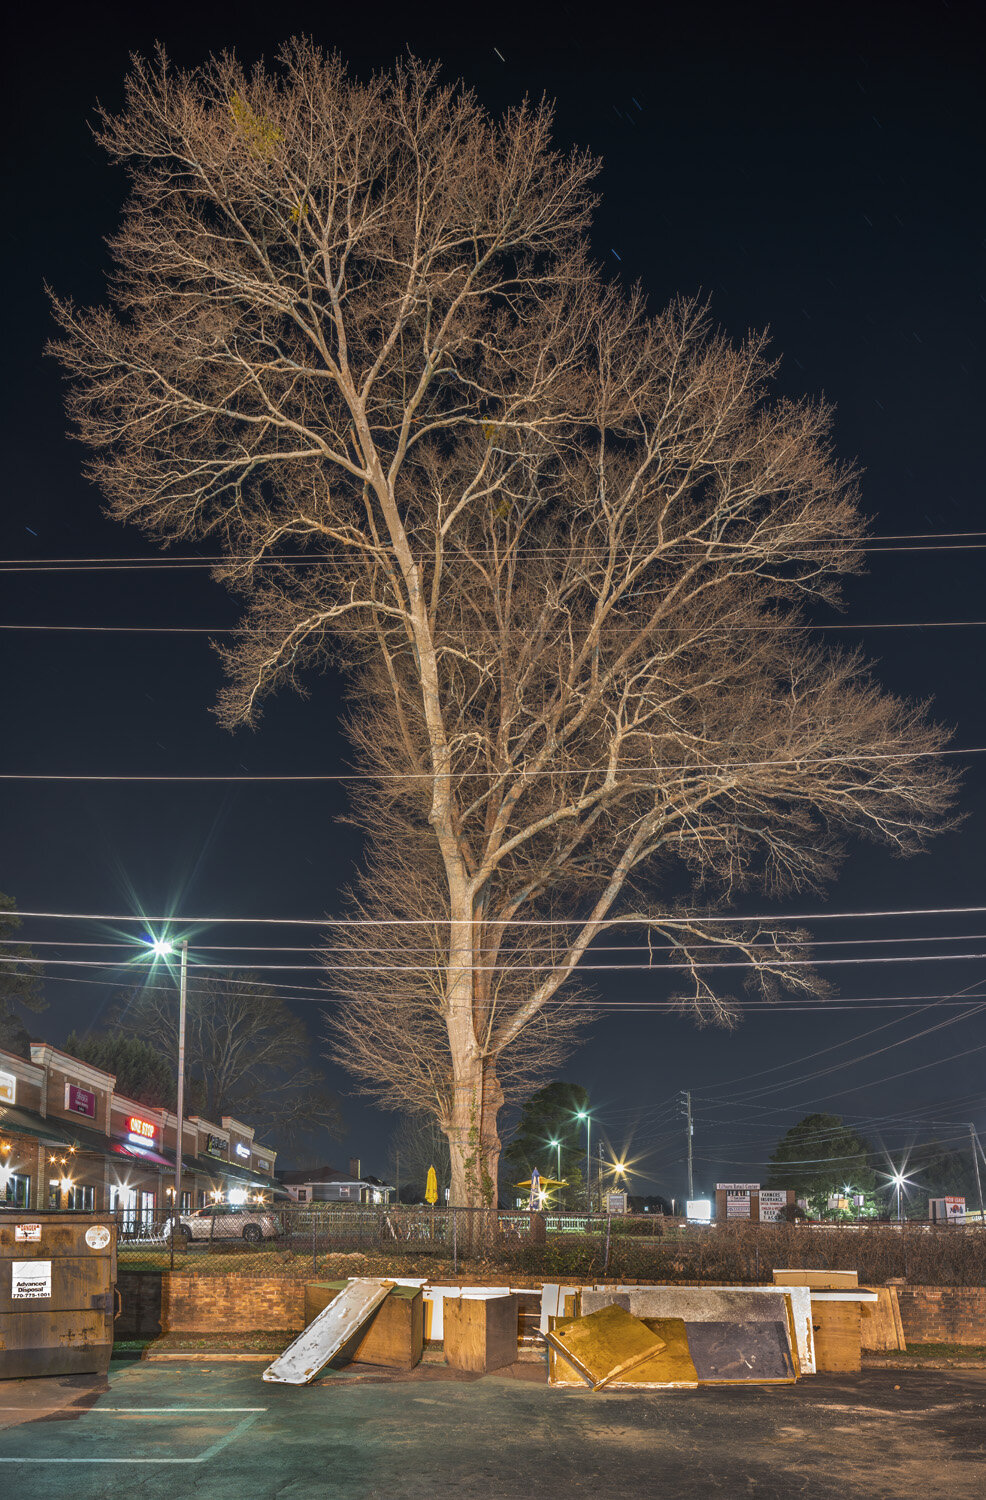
(686,1095)
(975,1162)
(182,993)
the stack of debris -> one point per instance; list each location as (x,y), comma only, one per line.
(673,1338)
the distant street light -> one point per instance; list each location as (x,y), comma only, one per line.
(163,947)
(583,1114)
(557,1147)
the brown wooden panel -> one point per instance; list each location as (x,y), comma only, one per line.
(836,1327)
(394,1335)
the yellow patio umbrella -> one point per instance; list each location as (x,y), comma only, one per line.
(431,1187)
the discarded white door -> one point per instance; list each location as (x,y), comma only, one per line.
(329,1332)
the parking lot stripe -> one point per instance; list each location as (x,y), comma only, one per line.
(252,1413)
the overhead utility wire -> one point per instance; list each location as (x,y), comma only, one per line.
(856,757)
(793,625)
(562,962)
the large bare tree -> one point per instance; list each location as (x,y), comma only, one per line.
(562,547)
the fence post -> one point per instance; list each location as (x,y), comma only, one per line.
(609,1220)
(455,1242)
(314,1246)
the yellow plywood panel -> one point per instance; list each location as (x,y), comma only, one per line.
(822,1281)
(605,1344)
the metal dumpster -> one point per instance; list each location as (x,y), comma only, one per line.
(57,1285)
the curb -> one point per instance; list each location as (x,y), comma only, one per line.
(204,1354)
(928,1363)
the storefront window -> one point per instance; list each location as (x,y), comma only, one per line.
(15,1190)
(78,1198)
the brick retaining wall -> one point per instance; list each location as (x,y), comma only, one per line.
(172,1302)
(168,1302)
(943,1314)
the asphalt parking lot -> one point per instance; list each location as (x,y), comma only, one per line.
(216,1429)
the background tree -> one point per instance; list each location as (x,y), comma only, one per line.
(246,1053)
(561,546)
(548,1115)
(417,1144)
(20,983)
(821,1156)
(144,1072)
(934,1170)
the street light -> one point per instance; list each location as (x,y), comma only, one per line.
(557,1149)
(163,947)
(899,1181)
(583,1114)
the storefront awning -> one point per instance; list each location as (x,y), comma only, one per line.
(25,1122)
(137,1153)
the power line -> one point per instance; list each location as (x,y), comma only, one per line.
(794,625)
(631,773)
(562,962)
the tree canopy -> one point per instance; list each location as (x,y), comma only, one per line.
(562,546)
(246,1052)
(144,1072)
(20,983)
(819,1157)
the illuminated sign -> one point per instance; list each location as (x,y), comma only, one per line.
(8,1088)
(699,1210)
(216,1146)
(263,1164)
(242,1150)
(80,1101)
(142,1132)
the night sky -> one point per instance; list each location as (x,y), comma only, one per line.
(826,182)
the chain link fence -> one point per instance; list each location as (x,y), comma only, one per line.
(326,1239)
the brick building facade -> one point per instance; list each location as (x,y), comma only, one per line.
(68,1140)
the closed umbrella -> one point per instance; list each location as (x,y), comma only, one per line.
(535,1189)
(431,1187)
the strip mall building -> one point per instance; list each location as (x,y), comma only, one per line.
(68,1140)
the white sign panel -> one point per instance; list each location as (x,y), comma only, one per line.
(737,1187)
(30,1279)
(98,1237)
(772,1197)
(699,1210)
(771,1214)
(737,1205)
(8,1088)
(27,1231)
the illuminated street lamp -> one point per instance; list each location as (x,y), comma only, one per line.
(583,1114)
(557,1150)
(163,947)
(899,1180)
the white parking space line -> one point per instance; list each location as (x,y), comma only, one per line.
(245,1422)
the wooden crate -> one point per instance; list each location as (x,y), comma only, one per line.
(394,1335)
(481,1333)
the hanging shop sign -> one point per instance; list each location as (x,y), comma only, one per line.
(141,1132)
(8,1088)
(216,1146)
(80,1101)
(30,1280)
